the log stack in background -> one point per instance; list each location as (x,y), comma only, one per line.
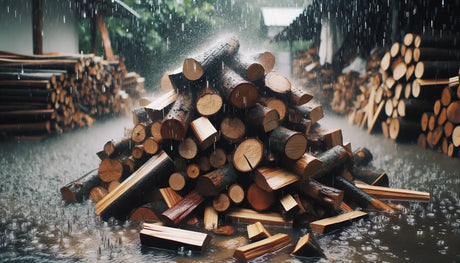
(220,147)
(41,94)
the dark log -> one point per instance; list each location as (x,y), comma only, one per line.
(412,108)
(404,130)
(173,238)
(264,118)
(211,59)
(427,90)
(370,175)
(308,246)
(42,79)
(27,115)
(24,84)
(304,167)
(211,184)
(297,114)
(285,142)
(79,189)
(333,160)
(272,179)
(121,201)
(248,155)
(138,152)
(177,213)
(326,195)
(436,40)
(240,93)
(247,68)
(363,199)
(174,126)
(115,148)
(362,156)
(430,54)
(436,69)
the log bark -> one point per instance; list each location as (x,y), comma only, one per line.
(266,59)
(121,201)
(430,54)
(299,97)
(370,175)
(326,195)
(362,156)
(211,184)
(333,160)
(172,238)
(285,142)
(174,126)
(78,190)
(247,68)
(437,40)
(240,93)
(404,130)
(304,167)
(436,69)
(412,108)
(259,199)
(264,118)
(297,114)
(177,213)
(116,148)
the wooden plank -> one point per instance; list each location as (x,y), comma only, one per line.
(328,224)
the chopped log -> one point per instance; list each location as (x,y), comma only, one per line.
(452,150)
(140,132)
(155,131)
(250,216)
(412,108)
(204,132)
(346,208)
(193,171)
(116,148)
(170,196)
(138,151)
(151,145)
(448,128)
(277,83)
(408,39)
(453,112)
(288,206)
(456,136)
(332,159)
(276,104)
(148,212)
(328,224)
(221,203)
(172,238)
(258,198)
(359,196)
(394,50)
(248,155)
(79,189)
(436,40)
(425,119)
(436,69)
(97,193)
(324,194)
(217,158)
(110,170)
(272,179)
(394,193)
(402,129)
(436,136)
(399,70)
(332,138)
(208,102)
(177,213)
(174,126)
(430,54)
(448,95)
(297,114)
(236,193)
(362,156)
(267,60)
(308,246)
(211,218)
(211,184)
(188,149)
(386,61)
(370,175)
(240,93)
(121,201)
(247,68)
(232,129)
(408,56)
(299,97)
(257,232)
(409,75)
(211,59)
(304,167)
(285,142)
(178,181)
(261,247)
(156,109)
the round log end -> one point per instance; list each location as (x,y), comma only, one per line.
(193,171)
(232,129)
(209,104)
(416,89)
(68,195)
(138,134)
(138,151)
(192,69)
(172,129)
(271,120)
(456,136)
(110,170)
(177,181)
(408,39)
(97,193)
(296,146)
(143,213)
(244,95)
(453,112)
(248,155)
(255,71)
(419,69)
(386,61)
(260,199)
(417,41)
(394,50)
(416,54)
(394,129)
(277,82)
(151,145)
(221,203)
(279,106)
(236,193)
(399,71)
(155,131)
(188,149)
(267,60)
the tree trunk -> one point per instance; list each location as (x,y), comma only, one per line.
(211,184)
(240,93)
(79,189)
(174,126)
(285,142)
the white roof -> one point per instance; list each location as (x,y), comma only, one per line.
(280,16)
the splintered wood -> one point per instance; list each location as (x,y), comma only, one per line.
(241,161)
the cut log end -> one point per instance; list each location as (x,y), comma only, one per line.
(277,82)
(236,193)
(296,146)
(177,181)
(255,71)
(260,199)
(232,129)
(244,95)
(172,129)
(188,149)
(192,69)
(267,60)
(221,203)
(110,170)
(209,104)
(151,145)
(248,155)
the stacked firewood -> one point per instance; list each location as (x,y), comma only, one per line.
(41,94)
(232,140)
(441,126)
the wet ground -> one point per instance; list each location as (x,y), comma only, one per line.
(37,226)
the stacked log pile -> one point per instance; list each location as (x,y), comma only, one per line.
(41,94)
(233,141)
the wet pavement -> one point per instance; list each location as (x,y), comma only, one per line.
(36,225)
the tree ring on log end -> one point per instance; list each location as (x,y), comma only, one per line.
(192,69)
(244,95)
(248,155)
(255,71)
(172,129)
(296,146)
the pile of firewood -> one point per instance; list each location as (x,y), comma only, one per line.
(232,140)
(41,94)
(440,127)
